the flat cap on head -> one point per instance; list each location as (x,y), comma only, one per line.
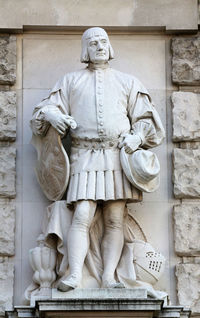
(89,33)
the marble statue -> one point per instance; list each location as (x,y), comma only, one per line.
(112,122)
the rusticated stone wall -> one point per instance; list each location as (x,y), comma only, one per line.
(7,169)
(186,122)
(186,159)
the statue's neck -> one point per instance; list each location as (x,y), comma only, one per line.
(96,66)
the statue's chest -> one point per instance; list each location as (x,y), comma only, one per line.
(98,90)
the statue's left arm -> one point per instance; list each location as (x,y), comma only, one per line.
(146,127)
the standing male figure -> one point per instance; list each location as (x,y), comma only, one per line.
(111,110)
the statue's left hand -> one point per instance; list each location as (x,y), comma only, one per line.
(130,143)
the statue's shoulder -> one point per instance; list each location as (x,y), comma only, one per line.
(128,80)
(68,79)
(123,75)
(73,75)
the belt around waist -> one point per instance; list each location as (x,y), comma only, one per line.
(95,143)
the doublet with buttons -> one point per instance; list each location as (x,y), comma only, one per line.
(107,105)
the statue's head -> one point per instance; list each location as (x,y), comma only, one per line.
(96,47)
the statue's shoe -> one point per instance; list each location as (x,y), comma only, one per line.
(112,284)
(71,282)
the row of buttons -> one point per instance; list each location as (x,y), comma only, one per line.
(100,93)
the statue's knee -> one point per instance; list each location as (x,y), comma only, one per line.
(82,215)
(113,221)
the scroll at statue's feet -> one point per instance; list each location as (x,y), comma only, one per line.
(71,282)
(112,284)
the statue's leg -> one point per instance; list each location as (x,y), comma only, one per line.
(78,243)
(113,241)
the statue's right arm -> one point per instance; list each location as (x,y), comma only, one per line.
(53,116)
(54,111)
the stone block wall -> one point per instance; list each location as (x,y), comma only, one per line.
(186,167)
(186,129)
(7,169)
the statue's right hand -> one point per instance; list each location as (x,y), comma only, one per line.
(60,121)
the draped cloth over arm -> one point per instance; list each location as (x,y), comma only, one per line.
(144,118)
(57,101)
(52,166)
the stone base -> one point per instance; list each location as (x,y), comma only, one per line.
(100,294)
(98,303)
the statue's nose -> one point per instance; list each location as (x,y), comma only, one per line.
(100,46)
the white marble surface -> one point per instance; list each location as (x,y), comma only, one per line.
(103,293)
(40,72)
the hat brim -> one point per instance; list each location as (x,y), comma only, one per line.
(148,186)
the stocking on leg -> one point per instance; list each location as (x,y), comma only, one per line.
(113,241)
(78,243)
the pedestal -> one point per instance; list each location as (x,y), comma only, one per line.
(97,303)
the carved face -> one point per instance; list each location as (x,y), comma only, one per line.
(98,49)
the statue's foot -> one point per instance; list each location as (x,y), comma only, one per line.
(71,282)
(112,284)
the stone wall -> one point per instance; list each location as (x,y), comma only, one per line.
(142,15)
(186,175)
(7,169)
(135,16)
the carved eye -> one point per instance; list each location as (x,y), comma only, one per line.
(93,43)
(104,41)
